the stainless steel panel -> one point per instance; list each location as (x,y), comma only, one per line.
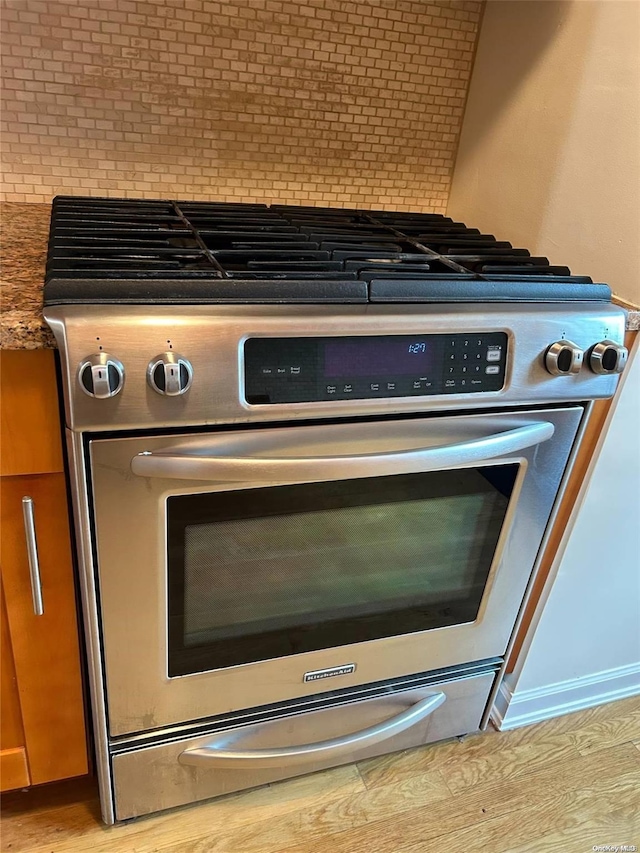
(211,338)
(88,592)
(562,488)
(156,777)
(131,545)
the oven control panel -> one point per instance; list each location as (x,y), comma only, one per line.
(304,370)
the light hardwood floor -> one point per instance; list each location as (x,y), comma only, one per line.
(562,786)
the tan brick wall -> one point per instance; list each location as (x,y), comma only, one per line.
(309,101)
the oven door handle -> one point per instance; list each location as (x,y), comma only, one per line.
(217,752)
(195,466)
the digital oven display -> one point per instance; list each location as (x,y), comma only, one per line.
(310,369)
(388,356)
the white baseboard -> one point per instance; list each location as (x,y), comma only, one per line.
(524,707)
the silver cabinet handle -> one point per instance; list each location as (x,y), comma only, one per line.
(32,553)
(194,466)
(216,752)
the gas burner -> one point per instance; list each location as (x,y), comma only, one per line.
(126,250)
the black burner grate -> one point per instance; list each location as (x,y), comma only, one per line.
(106,250)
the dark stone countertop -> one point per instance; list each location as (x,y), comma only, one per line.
(25,231)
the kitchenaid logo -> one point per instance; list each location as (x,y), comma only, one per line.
(317,674)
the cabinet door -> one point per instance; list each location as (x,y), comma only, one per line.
(45,648)
(30,413)
(14,772)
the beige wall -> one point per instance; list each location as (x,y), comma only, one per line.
(316,101)
(550,148)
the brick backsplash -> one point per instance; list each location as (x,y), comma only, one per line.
(314,102)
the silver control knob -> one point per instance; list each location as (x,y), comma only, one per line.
(101,375)
(563,358)
(170,374)
(608,357)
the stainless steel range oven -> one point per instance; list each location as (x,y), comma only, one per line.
(305,531)
(242,568)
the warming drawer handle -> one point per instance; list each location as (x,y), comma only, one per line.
(189,466)
(217,752)
(32,554)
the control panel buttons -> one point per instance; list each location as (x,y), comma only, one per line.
(608,357)
(170,374)
(563,358)
(101,375)
(281,370)
(475,362)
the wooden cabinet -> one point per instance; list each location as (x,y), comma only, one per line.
(42,731)
(29,417)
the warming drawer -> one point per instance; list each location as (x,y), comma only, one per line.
(232,759)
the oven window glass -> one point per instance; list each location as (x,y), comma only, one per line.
(263,573)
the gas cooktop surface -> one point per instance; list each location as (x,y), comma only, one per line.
(146,252)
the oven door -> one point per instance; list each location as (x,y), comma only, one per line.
(240,568)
